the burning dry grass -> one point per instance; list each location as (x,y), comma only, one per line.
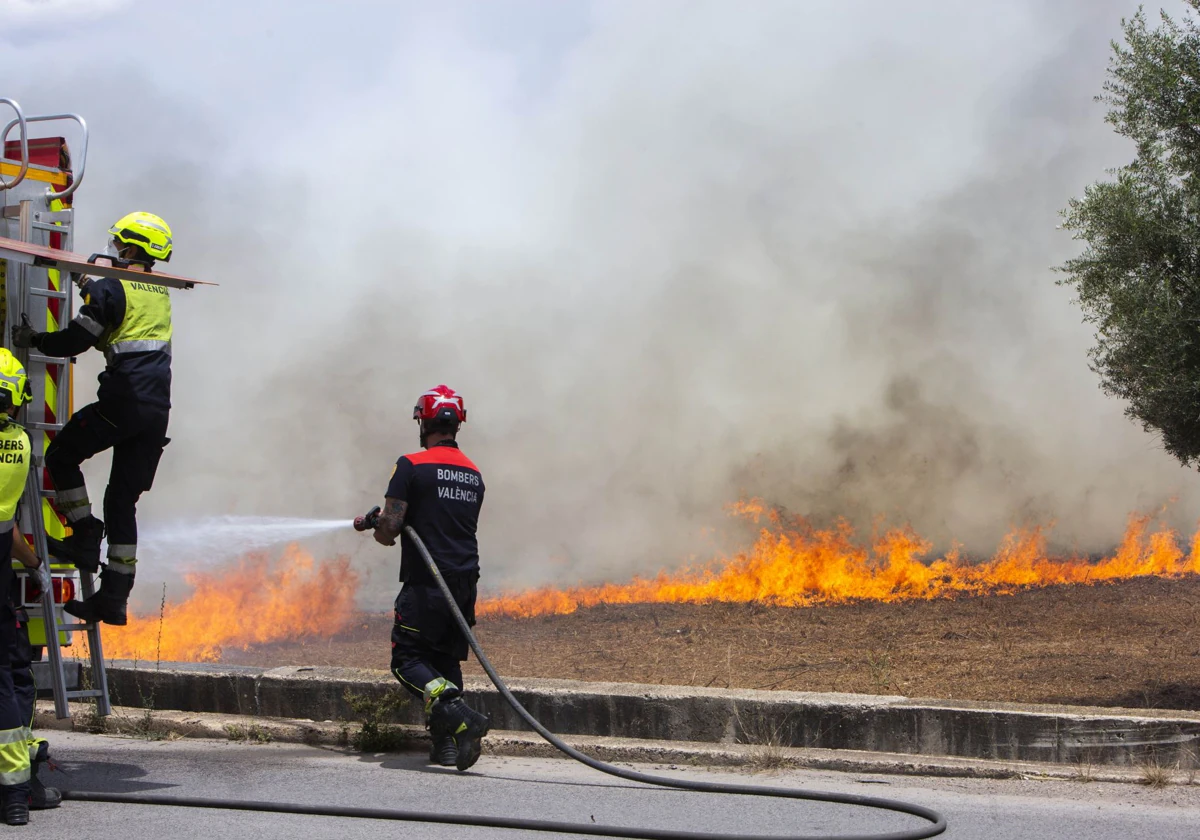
(259,600)
(255,600)
(795,564)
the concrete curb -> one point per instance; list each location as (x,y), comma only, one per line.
(1003,732)
(165,725)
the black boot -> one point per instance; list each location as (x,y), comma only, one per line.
(14,805)
(42,798)
(108,604)
(82,546)
(464,724)
(443,751)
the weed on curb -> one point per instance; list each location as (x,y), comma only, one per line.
(767,742)
(376,733)
(251,734)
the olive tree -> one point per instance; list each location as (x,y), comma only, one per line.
(1138,278)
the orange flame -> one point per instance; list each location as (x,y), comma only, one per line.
(795,564)
(250,601)
(259,600)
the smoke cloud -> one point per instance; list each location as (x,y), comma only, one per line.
(672,253)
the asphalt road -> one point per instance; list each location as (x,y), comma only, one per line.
(552,790)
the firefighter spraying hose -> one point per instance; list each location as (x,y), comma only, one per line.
(440,491)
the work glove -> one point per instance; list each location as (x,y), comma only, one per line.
(24,335)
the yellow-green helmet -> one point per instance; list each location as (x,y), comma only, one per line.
(147,231)
(14,384)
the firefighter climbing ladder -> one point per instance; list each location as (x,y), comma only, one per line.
(37,214)
(37,180)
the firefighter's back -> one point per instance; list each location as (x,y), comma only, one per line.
(444,495)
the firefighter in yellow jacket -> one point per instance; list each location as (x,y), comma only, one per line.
(131,323)
(14,469)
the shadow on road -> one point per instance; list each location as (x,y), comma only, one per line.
(100,776)
(418,762)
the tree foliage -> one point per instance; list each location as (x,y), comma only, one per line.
(1138,279)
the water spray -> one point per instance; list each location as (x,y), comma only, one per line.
(216,537)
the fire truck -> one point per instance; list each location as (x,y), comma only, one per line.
(39,178)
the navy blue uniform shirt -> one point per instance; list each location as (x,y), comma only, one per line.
(444,491)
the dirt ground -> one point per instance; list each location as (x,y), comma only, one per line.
(1133,643)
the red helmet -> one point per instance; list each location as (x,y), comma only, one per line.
(440,403)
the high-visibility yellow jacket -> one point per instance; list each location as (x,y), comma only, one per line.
(14,469)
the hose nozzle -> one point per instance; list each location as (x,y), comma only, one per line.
(369,521)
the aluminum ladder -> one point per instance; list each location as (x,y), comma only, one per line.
(32,212)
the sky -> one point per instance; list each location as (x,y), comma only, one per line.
(672,253)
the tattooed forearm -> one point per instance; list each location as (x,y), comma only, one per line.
(390,521)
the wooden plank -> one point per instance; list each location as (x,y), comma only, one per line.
(34,173)
(38,255)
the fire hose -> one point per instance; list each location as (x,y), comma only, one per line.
(936,822)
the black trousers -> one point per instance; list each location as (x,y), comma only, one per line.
(14,750)
(20,660)
(426,640)
(136,433)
